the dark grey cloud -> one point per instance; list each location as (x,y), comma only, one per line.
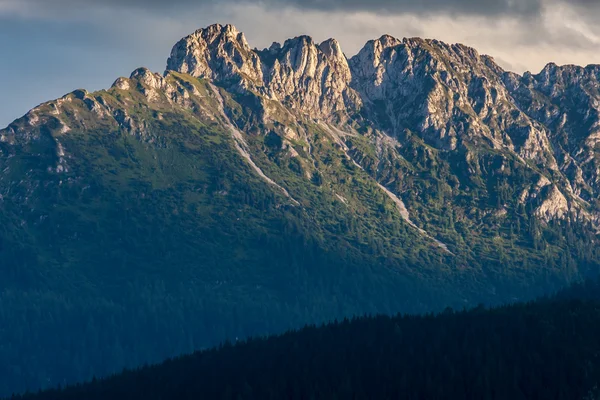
(518,9)
(515,8)
(464,7)
(585,3)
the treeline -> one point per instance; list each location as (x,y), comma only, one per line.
(548,349)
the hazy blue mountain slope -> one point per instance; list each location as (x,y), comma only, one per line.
(543,349)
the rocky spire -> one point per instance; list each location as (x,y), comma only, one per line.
(219,52)
(312,79)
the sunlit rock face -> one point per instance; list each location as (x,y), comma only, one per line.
(308,77)
(449,94)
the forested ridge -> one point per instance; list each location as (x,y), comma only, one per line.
(547,349)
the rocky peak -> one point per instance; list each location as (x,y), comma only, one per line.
(147,77)
(369,58)
(389,58)
(333,51)
(311,78)
(579,82)
(299,55)
(446,93)
(219,52)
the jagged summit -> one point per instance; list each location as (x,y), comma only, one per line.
(218,52)
(449,94)
(315,79)
(310,78)
(221,53)
(332,48)
(220,33)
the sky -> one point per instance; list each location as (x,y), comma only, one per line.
(51,47)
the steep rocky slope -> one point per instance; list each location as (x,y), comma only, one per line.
(248,191)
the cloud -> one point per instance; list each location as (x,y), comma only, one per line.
(518,9)
(554,30)
(557,35)
(515,8)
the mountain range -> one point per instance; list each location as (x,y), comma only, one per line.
(246,192)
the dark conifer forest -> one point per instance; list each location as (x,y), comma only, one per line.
(547,349)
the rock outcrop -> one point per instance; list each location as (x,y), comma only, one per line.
(310,78)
